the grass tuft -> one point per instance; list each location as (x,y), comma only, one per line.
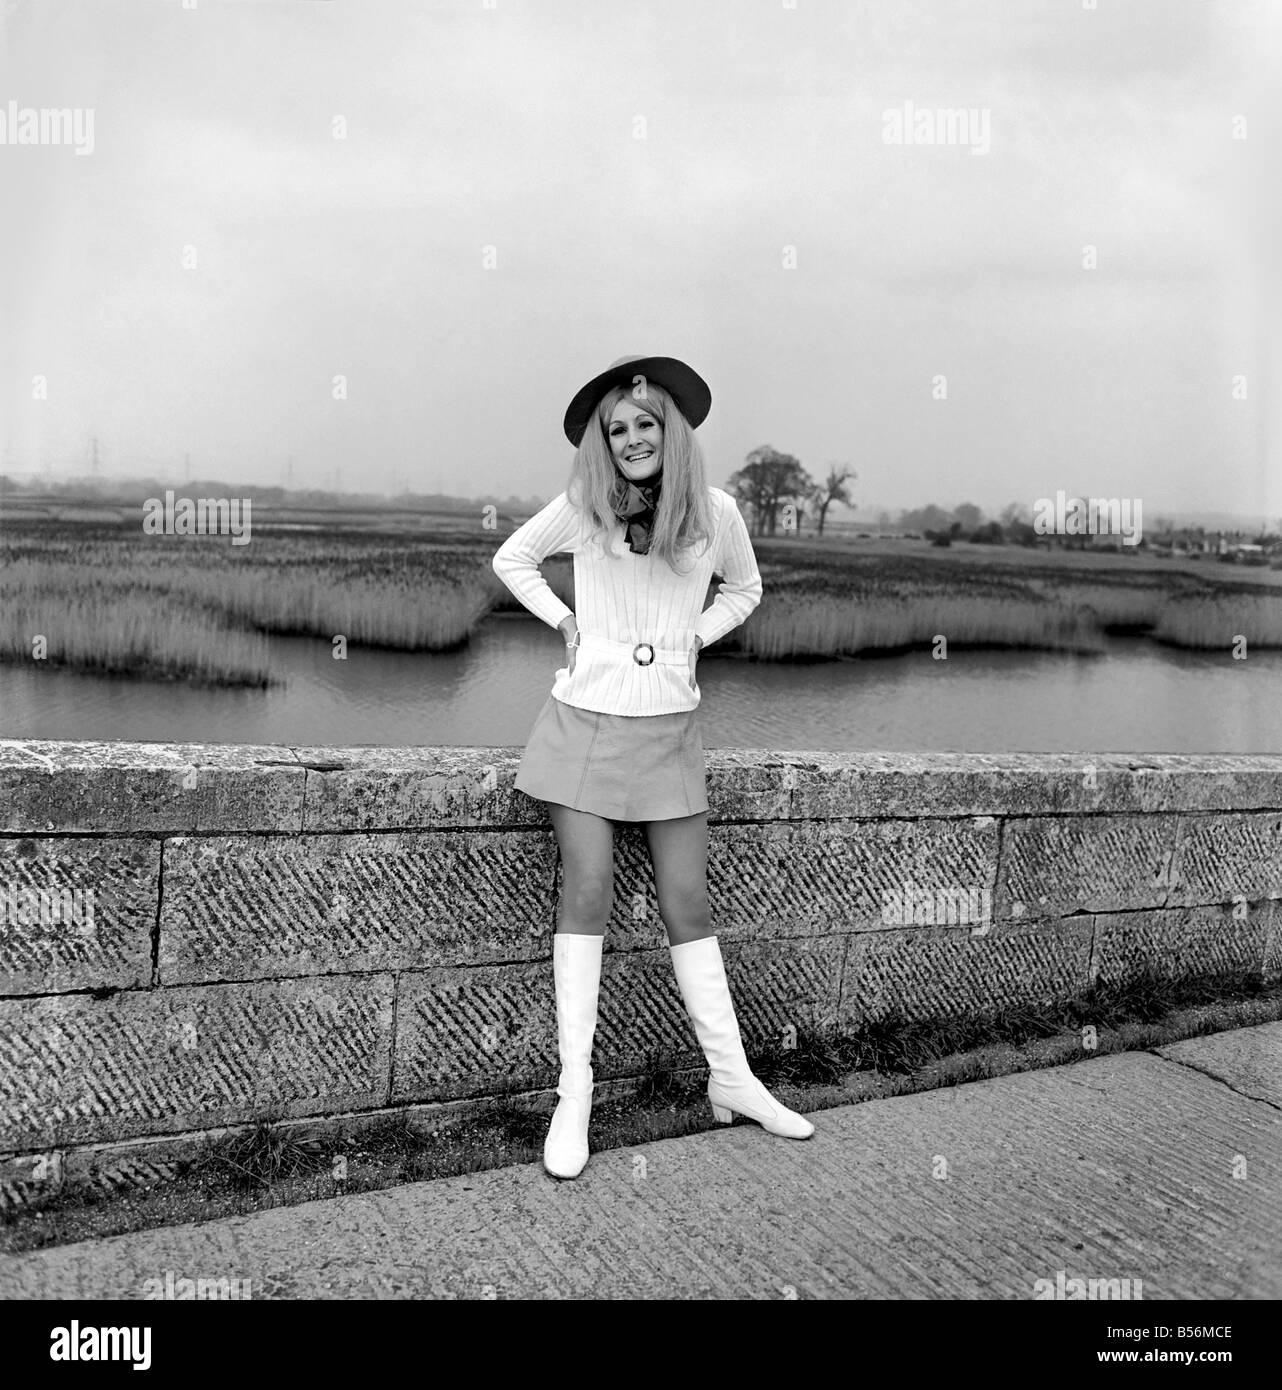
(264,1155)
(658,1084)
(516,1125)
(814,1058)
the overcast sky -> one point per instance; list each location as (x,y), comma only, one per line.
(516,127)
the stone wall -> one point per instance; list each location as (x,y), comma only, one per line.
(323,932)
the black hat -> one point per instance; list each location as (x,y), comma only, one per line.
(683,384)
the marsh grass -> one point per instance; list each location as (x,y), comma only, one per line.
(1216,623)
(828,626)
(1118,607)
(400,609)
(108,599)
(170,608)
(117,628)
(829,601)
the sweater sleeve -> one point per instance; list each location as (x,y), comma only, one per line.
(517,560)
(740,591)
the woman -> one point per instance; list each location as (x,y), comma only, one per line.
(618,738)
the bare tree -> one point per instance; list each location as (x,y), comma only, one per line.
(832,489)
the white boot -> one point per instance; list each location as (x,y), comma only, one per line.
(701,977)
(576,968)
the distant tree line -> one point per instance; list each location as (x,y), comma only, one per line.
(128,491)
(777,495)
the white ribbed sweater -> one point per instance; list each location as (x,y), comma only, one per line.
(625,599)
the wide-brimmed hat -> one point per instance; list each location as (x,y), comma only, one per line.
(683,384)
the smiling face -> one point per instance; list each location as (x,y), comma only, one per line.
(636,441)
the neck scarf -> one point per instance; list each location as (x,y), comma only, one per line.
(636,510)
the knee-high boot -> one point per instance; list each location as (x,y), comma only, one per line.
(576,968)
(701,977)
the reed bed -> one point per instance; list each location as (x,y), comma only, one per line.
(1111,607)
(840,605)
(826,627)
(114,629)
(402,611)
(830,603)
(165,608)
(109,599)
(1184,612)
(1207,623)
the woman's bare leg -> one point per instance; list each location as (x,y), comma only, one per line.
(586,843)
(679,854)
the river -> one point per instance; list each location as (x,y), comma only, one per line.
(1137,697)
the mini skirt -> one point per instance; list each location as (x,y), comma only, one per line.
(629,767)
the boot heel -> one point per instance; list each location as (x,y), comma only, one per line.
(721,1114)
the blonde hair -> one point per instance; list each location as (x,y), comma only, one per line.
(683,516)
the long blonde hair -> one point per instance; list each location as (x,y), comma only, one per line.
(684,514)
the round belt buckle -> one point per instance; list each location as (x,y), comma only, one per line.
(636,656)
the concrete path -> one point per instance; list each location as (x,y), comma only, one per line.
(1161,1167)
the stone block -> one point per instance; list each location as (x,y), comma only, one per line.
(76,913)
(1053,866)
(1272,967)
(778,985)
(156,788)
(928,973)
(818,878)
(635,923)
(415,788)
(302,905)
(870,784)
(75,1069)
(749,784)
(29,1177)
(108,1170)
(1223,857)
(1181,942)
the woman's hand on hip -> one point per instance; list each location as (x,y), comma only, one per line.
(570,631)
(694,660)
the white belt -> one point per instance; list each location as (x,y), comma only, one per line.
(643,653)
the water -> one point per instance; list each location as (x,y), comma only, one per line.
(1138,697)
